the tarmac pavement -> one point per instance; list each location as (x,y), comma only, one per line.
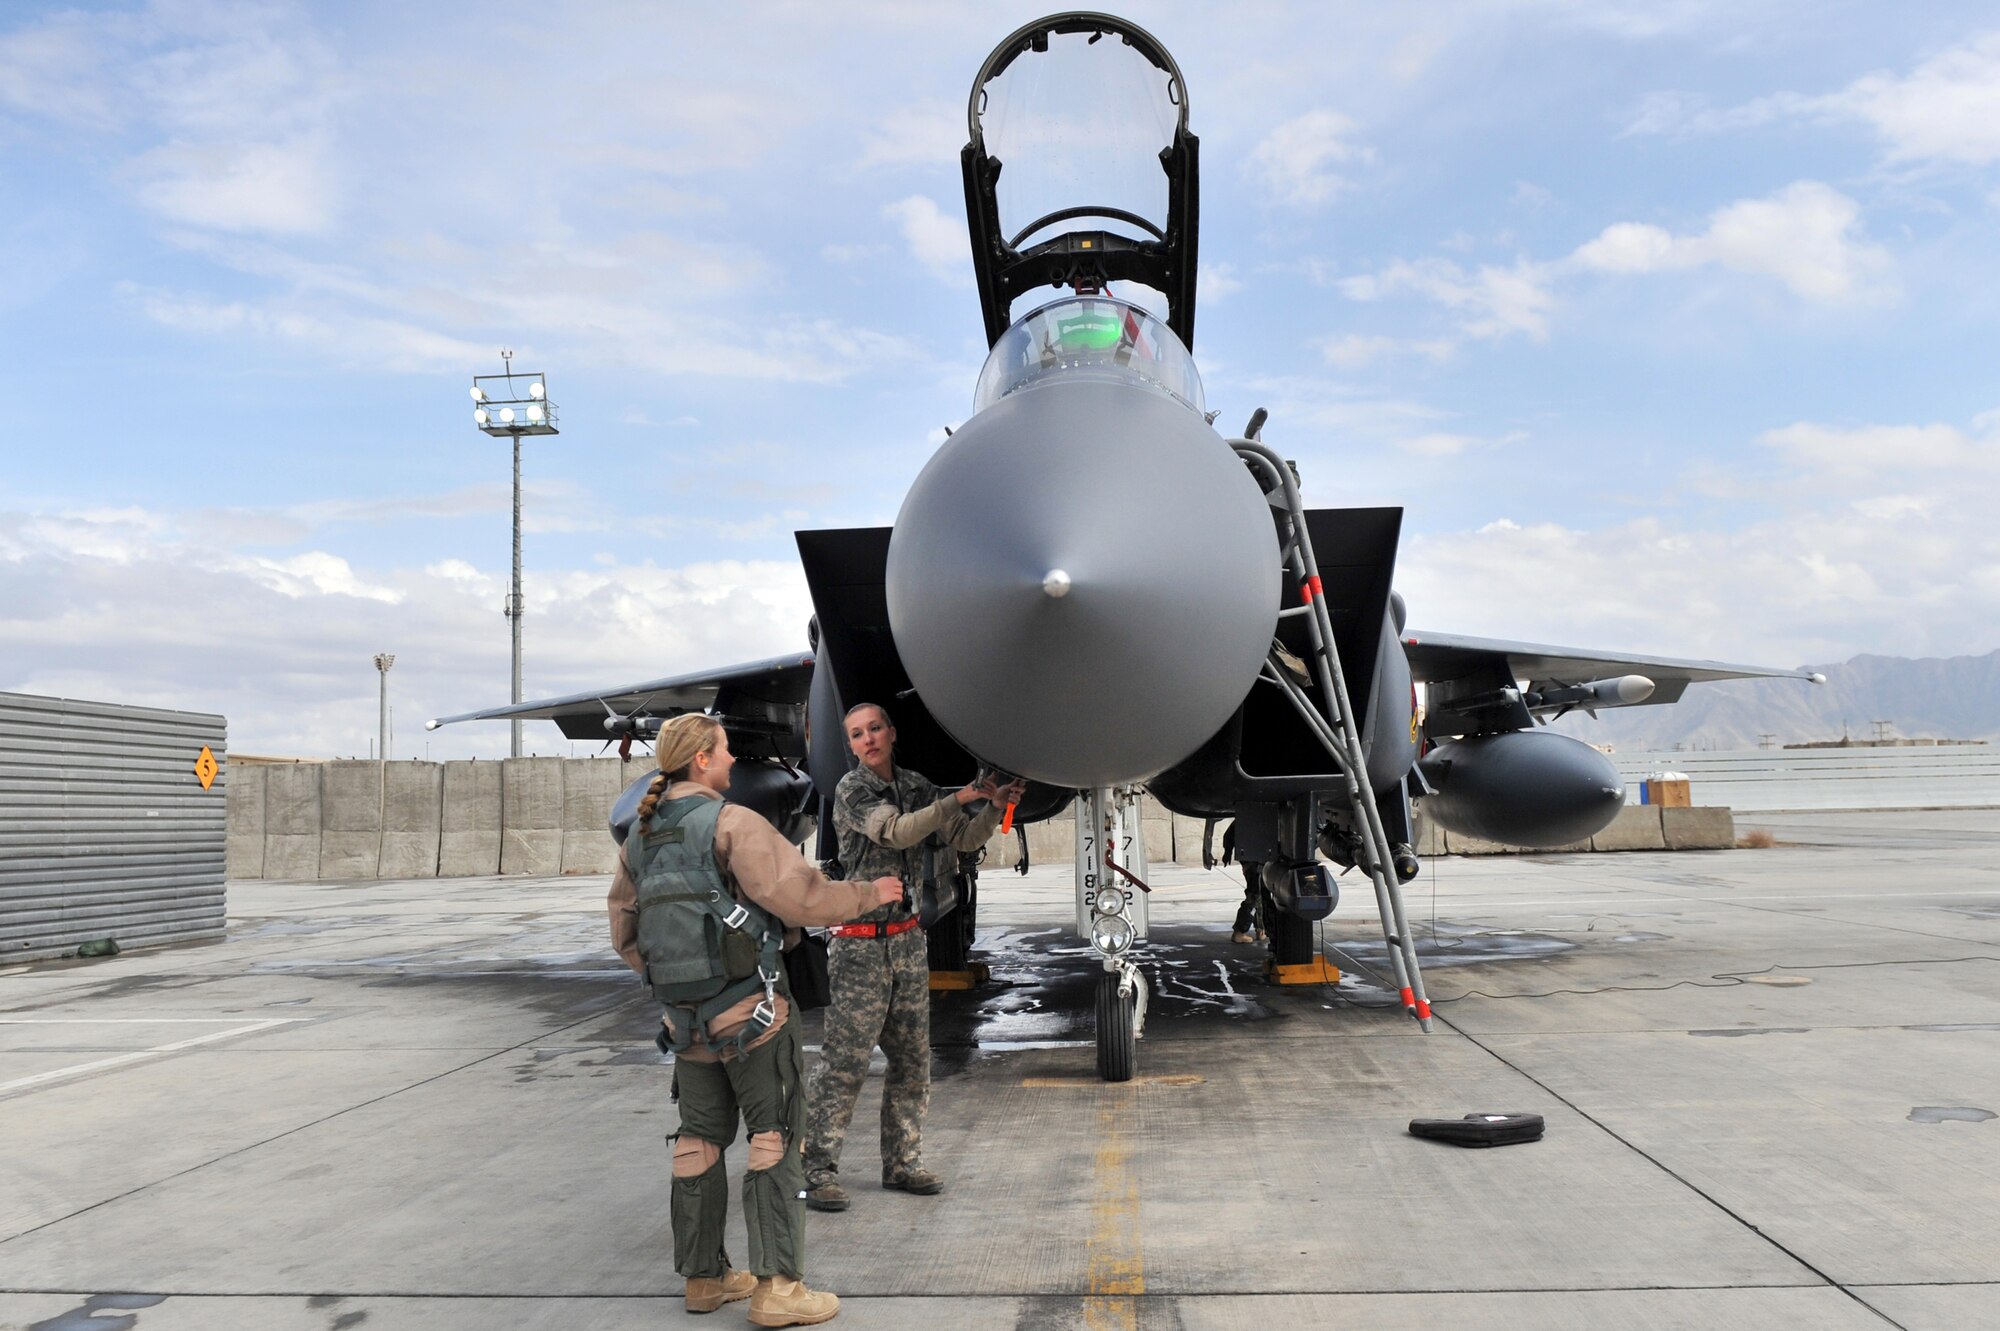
(1769,1077)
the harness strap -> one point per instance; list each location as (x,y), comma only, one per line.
(661,898)
(761,1019)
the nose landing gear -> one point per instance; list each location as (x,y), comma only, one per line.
(1111,913)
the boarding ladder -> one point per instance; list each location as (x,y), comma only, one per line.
(1338,731)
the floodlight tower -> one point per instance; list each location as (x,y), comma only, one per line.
(512,404)
(383,660)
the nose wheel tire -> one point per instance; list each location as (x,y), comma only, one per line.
(1117,1034)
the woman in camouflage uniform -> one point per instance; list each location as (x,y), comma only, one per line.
(886,817)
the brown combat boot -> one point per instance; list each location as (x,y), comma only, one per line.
(826,1197)
(782,1302)
(707,1293)
(920,1181)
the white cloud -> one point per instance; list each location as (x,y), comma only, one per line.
(1490,301)
(1295,160)
(1437,445)
(55,69)
(1840,564)
(1945,109)
(1352,350)
(936,241)
(927,134)
(1300,403)
(1869,449)
(130,605)
(1806,236)
(1215,283)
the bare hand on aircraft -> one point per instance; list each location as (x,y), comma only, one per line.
(888,891)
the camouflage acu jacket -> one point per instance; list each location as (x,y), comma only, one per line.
(885,826)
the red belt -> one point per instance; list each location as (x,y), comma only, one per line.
(889,930)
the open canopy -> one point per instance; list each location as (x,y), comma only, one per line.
(1079,170)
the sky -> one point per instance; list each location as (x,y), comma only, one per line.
(1671,326)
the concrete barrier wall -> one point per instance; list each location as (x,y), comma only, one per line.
(350,819)
(412,820)
(291,820)
(469,826)
(590,787)
(243,822)
(546,816)
(531,815)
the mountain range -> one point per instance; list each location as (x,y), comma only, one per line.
(1954,697)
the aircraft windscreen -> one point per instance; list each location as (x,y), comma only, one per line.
(1089,337)
(1080,124)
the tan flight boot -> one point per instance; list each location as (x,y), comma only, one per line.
(707,1293)
(782,1302)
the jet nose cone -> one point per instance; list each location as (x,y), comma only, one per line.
(1083,583)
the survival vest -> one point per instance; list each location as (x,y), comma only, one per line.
(704,950)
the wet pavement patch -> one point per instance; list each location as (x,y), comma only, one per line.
(1449,944)
(1044,988)
(1094,1083)
(1975,912)
(1949,1114)
(85,1318)
(1760,1030)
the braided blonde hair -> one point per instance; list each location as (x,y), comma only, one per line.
(681,740)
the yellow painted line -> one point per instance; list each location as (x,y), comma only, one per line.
(1117,1256)
(1093,1083)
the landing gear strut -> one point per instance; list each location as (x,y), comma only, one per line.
(1111,913)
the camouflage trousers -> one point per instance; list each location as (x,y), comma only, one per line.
(881,995)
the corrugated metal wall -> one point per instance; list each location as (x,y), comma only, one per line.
(105,831)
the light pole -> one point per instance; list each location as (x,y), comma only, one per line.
(510,404)
(383,660)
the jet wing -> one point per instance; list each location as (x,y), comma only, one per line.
(768,696)
(1443,657)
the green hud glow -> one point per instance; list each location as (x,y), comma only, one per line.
(1091,332)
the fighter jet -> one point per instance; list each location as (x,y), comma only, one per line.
(1089,587)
